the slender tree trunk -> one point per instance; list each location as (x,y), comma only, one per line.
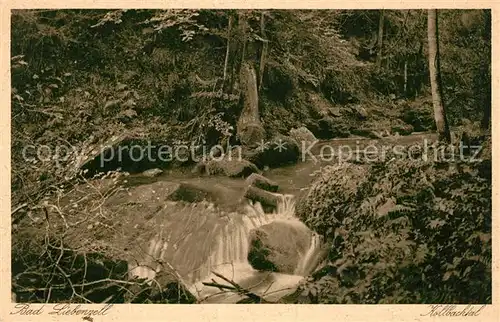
(419,70)
(263,54)
(435,76)
(228,46)
(405,72)
(239,48)
(486,121)
(249,129)
(380,38)
(243,25)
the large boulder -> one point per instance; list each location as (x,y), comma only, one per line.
(268,200)
(360,112)
(281,150)
(231,167)
(329,127)
(279,246)
(262,182)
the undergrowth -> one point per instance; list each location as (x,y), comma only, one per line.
(402,232)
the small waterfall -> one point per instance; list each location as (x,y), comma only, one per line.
(310,259)
(286,208)
(227,255)
(237,268)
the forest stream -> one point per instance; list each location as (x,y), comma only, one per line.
(200,252)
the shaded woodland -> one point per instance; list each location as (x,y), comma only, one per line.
(238,77)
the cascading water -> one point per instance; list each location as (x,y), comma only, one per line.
(228,257)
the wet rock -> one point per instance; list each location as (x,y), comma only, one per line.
(152,172)
(279,246)
(302,135)
(262,182)
(231,167)
(361,112)
(281,150)
(190,192)
(267,199)
(329,127)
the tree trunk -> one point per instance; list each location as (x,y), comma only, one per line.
(243,32)
(263,54)
(249,128)
(435,76)
(380,38)
(237,52)
(485,122)
(417,73)
(239,37)
(226,61)
(405,85)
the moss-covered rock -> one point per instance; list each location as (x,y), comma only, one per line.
(302,135)
(281,150)
(329,127)
(262,182)
(230,167)
(279,246)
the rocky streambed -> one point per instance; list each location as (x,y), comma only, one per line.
(214,237)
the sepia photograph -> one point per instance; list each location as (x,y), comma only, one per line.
(251,156)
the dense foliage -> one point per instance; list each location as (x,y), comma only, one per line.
(80,76)
(402,232)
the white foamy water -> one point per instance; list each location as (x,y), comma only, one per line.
(228,257)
